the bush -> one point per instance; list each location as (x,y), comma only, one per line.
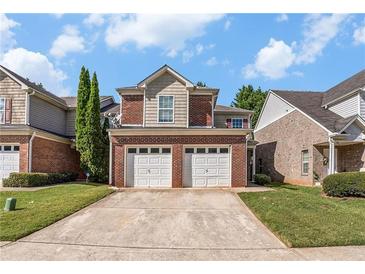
(345,184)
(24,179)
(262,179)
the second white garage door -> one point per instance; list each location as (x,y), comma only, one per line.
(149,167)
(9,160)
(207,167)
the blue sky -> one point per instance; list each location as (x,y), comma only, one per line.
(278,51)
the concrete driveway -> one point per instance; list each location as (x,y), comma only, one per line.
(156,225)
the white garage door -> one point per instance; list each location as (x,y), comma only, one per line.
(149,167)
(9,160)
(207,167)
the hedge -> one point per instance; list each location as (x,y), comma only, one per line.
(262,179)
(24,179)
(345,184)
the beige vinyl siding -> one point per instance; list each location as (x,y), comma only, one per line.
(166,84)
(70,122)
(221,118)
(347,107)
(46,116)
(11,89)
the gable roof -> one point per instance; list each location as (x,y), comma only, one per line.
(221,108)
(162,70)
(32,85)
(310,103)
(344,88)
(71,101)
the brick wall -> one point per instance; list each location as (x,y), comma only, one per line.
(52,156)
(200,110)
(132,109)
(23,148)
(350,158)
(280,146)
(238,155)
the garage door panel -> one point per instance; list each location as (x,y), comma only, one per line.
(207,169)
(142,161)
(9,161)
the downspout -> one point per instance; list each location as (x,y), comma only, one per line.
(110,158)
(246,163)
(30,149)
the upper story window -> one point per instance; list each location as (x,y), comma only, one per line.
(2,110)
(237,123)
(165,109)
(305,162)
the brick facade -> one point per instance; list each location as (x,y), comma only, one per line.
(53,156)
(200,110)
(281,144)
(350,158)
(238,166)
(23,142)
(132,109)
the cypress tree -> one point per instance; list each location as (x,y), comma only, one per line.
(83,94)
(93,135)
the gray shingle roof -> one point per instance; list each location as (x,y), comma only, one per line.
(311,104)
(354,82)
(220,108)
(112,108)
(34,86)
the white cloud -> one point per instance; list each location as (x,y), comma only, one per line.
(199,49)
(7,39)
(319,30)
(212,61)
(227,24)
(187,55)
(282,17)
(37,68)
(57,15)
(168,31)
(359,35)
(271,61)
(94,19)
(68,41)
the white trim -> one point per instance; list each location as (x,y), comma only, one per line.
(133,125)
(212,112)
(302,162)
(187,108)
(30,152)
(262,109)
(144,107)
(173,109)
(3,99)
(23,86)
(178,131)
(359,103)
(306,115)
(110,159)
(357,118)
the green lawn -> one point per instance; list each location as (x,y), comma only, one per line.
(302,217)
(38,209)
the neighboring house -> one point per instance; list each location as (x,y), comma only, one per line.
(171,133)
(37,128)
(305,136)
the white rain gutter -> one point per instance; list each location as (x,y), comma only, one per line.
(30,149)
(110,157)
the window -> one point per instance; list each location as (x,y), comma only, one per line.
(237,123)
(189,150)
(143,150)
(132,150)
(212,150)
(200,150)
(2,110)
(305,162)
(16,148)
(165,109)
(166,150)
(155,150)
(7,148)
(223,150)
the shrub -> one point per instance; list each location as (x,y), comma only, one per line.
(24,179)
(262,179)
(345,184)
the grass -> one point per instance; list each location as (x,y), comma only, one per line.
(38,209)
(303,217)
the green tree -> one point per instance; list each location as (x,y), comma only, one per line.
(93,135)
(252,99)
(201,84)
(105,136)
(83,94)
